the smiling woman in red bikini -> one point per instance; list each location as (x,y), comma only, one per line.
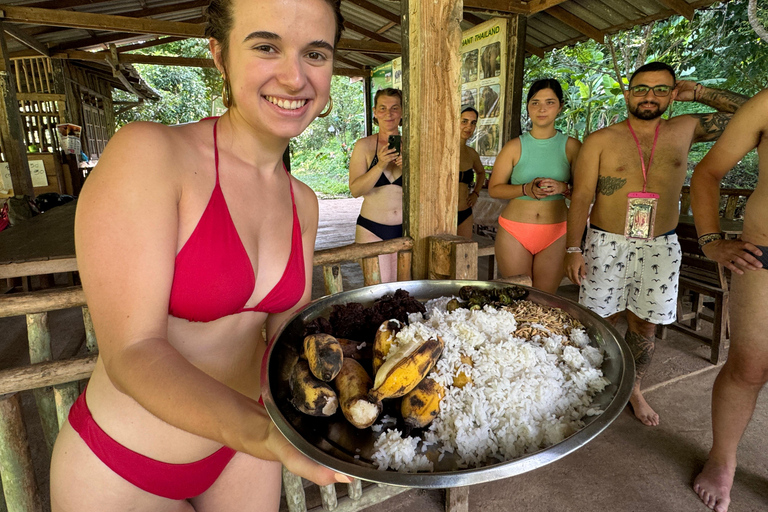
(534,171)
(182,270)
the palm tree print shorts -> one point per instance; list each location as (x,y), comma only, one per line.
(639,275)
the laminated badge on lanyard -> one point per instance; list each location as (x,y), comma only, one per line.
(641,206)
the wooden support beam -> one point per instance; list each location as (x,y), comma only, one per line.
(497,6)
(85,20)
(375,9)
(681,7)
(387,27)
(368,107)
(365,32)
(452,257)
(11,133)
(431,61)
(535,6)
(534,50)
(148,44)
(513,101)
(354,45)
(471,18)
(26,40)
(577,23)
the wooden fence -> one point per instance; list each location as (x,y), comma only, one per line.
(56,384)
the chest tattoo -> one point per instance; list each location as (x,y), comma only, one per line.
(607,185)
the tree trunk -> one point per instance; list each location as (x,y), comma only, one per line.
(756,26)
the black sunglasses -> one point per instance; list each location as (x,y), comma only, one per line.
(658,90)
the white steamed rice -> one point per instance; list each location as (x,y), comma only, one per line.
(524,396)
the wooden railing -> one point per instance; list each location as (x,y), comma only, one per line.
(56,384)
(729,200)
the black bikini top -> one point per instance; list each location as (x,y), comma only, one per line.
(383,180)
(467,176)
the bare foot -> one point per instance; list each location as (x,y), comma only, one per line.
(642,410)
(713,485)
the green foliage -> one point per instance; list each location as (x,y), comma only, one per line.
(320,155)
(186,93)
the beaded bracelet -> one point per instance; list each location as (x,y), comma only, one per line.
(526,195)
(709,237)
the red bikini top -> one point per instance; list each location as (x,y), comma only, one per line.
(213,275)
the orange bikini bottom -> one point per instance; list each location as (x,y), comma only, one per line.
(534,237)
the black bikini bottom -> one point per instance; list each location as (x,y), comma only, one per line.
(764,258)
(464,215)
(383,231)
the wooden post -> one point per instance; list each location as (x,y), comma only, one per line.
(11,131)
(355,491)
(457,499)
(404,265)
(294,492)
(16,469)
(39,337)
(431,42)
(65,395)
(516,28)
(328,497)
(332,278)
(367,93)
(452,257)
(90,334)
(371,271)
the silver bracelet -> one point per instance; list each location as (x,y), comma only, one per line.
(571,250)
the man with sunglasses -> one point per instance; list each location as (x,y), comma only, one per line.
(635,171)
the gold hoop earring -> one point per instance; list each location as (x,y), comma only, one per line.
(226,94)
(328,110)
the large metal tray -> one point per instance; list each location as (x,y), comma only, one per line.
(334,443)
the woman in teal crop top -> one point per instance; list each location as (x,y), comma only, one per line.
(533,171)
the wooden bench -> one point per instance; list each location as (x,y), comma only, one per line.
(701,277)
(730,200)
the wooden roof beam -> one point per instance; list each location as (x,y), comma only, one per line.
(576,23)
(375,9)
(497,6)
(354,45)
(681,7)
(84,20)
(534,50)
(26,40)
(365,32)
(160,60)
(149,44)
(535,6)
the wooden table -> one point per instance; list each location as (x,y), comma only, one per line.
(44,244)
(731,228)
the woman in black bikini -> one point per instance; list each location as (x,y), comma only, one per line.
(376,173)
(470,166)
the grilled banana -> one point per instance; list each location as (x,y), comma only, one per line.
(385,335)
(405,368)
(461,379)
(353,384)
(310,395)
(324,355)
(421,405)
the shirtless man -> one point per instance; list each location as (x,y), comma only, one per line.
(746,370)
(638,275)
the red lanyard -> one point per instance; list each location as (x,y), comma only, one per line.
(640,151)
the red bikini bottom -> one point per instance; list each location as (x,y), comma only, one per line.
(173,481)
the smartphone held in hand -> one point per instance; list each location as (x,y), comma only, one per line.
(394,142)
